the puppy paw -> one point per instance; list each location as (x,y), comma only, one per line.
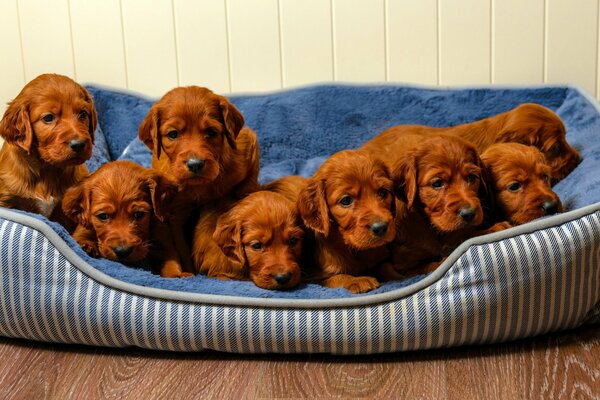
(499,226)
(172,269)
(90,248)
(361,284)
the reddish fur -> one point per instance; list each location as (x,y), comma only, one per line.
(231,156)
(120,189)
(507,163)
(529,124)
(345,248)
(223,241)
(36,163)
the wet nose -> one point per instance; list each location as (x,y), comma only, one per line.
(550,207)
(77,145)
(194,165)
(467,213)
(379,228)
(282,279)
(123,251)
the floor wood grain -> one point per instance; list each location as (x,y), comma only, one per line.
(558,366)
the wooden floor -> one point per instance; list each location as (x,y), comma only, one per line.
(559,366)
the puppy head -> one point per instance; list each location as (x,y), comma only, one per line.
(262,232)
(441,178)
(521,182)
(535,125)
(351,193)
(53,118)
(193,128)
(118,202)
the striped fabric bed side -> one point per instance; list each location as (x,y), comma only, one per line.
(523,286)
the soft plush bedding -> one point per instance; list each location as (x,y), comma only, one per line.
(539,277)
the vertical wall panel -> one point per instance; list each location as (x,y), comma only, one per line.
(359,40)
(571,43)
(11,65)
(98,42)
(518,41)
(254,44)
(464,42)
(412,41)
(150,46)
(46,34)
(203,58)
(306,41)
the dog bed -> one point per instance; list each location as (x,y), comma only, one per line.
(536,278)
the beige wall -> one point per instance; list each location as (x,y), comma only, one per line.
(257,45)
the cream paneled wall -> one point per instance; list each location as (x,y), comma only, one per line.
(261,45)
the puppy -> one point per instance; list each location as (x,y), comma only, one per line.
(197,139)
(48,131)
(529,124)
(520,180)
(118,210)
(257,238)
(440,188)
(349,205)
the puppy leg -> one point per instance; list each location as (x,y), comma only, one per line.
(87,240)
(177,234)
(497,227)
(166,255)
(355,284)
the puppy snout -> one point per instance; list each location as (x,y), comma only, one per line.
(550,207)
(195,165)
(77,146)
(467,213)
(123,251)
(282,278)
(379,228)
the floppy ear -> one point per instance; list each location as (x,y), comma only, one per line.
(15,126)
(404,176)
(228,236)
(486,186)
(233,120)
(76,204)
(162,192)
(93,115)
(312,206)
(148,131)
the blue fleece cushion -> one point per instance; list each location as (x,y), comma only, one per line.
(298,129)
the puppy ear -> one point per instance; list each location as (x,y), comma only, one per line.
(93,115)
(76,205)
(148,131)
(162,192)
(228,236)
(404,175)
(486,186)
(312,206)
(15,126)
(233,120)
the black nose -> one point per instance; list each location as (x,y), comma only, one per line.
(550,207)
(467,213)
(379,228)
(77,145)
(123,251)
(194,165)
(282,279)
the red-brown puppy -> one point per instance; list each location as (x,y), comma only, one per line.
(257,238)
(349,205)
(117,209)
(520,178)
(529,124)
(439,184)
(197,139)
(48,131)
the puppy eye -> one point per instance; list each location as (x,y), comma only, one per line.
(555,149)
(173,135)
(546,178)
(346,201)
(102,217)
(48,118)
(293,241)
(256,246)
(437,184)
(139,215)
(211,133)
(471,178)
(383,193)
(83,114)
(514,187)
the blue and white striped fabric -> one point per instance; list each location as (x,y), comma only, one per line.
(528,284)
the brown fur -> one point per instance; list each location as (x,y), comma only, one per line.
(205,127)
(515,166)
(529,124)
(120,205)
(37,164)
(346,247)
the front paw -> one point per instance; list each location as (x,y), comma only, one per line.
(90,248)
(499,226)
(172,269)
(361,284)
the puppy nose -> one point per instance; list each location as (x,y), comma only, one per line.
(379,228)
(194,165)
(467,213)
(282,279)
(77,145)
(550,207)
(123,251)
